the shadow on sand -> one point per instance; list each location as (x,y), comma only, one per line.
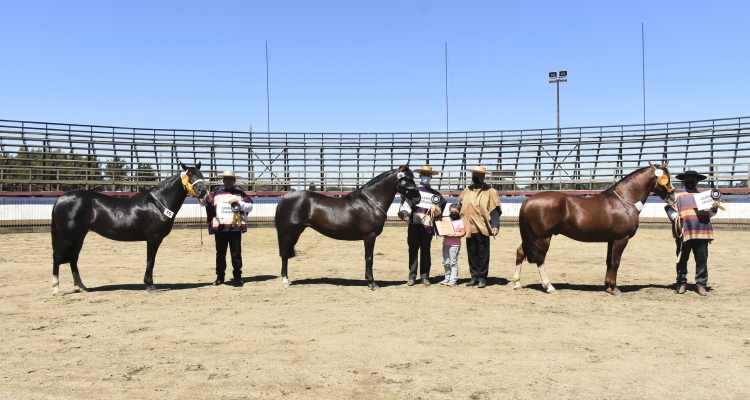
(597,288)
(173,286)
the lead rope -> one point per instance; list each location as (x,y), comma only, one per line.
(203,250)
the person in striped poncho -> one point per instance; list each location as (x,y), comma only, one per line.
(693,232)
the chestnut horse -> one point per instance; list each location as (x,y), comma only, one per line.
(147,216)
(360,215)
(611,216)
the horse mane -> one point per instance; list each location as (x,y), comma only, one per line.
(624,180)
(159,186)
(374,181)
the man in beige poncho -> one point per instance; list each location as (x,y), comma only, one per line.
(481,217)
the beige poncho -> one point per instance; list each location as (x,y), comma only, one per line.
(476,207)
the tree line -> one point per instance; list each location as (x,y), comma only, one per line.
(59,170)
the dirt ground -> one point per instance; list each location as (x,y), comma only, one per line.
(328,336)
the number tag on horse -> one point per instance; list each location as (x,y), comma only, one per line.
(638,206)
(169,213)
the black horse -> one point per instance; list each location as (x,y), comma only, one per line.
(146,216)
(360,215)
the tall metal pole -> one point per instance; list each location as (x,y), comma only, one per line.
(268,97)
(558,109)
(446,87)
(643,60)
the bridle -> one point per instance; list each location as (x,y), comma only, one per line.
(187,184)
(662,180)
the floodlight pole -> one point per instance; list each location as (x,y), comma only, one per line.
(557,81)
(556,78)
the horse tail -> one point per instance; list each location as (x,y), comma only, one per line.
(528,239)
(55,235)
(279,234)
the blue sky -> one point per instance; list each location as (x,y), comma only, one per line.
(371,66)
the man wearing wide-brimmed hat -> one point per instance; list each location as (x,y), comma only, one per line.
(227,210)
(481,216)
(693,231)
(420,217)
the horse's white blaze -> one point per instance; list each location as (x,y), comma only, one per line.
(55,284)
(517,276)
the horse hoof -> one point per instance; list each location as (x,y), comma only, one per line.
(57,292)
(82,289)
(151,289)
(617,293)
(373,286)
(609,290)
(285,283)
(551,289)
(517,286)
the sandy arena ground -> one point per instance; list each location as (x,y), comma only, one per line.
(328,336)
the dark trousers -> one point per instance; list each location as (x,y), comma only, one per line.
(234,240)
(419,243)
(699,247)
(478,250)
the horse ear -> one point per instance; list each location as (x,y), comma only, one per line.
(665,164)
(403,168)
(198,166)
(183,166)
(652,165)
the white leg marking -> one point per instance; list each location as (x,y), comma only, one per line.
(285,282)
(55,285)
(78,283)
(517,276)
(545,280)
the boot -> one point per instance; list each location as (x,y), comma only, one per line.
(425,280)
(473,282)
(482,283)
(219,281)
(681,289)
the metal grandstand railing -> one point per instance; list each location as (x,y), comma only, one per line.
(40,156)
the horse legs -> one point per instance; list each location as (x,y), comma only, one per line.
(543,248)
(152,246)
(74,252)
(520,255)
(369,250)
(614,253)
(58,257)
(286,248)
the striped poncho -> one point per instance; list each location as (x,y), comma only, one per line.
(695,224)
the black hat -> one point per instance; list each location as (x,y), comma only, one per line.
(685,174)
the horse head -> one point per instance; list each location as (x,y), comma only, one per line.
(663,187)
(192,180)
(406,185)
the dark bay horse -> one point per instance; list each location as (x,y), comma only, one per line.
(147,216)
(611,216)
(360,215)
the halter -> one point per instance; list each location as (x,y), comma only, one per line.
(187,185)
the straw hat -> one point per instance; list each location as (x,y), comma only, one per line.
(685,174)
(227,174)
(478,169)
(426,169)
